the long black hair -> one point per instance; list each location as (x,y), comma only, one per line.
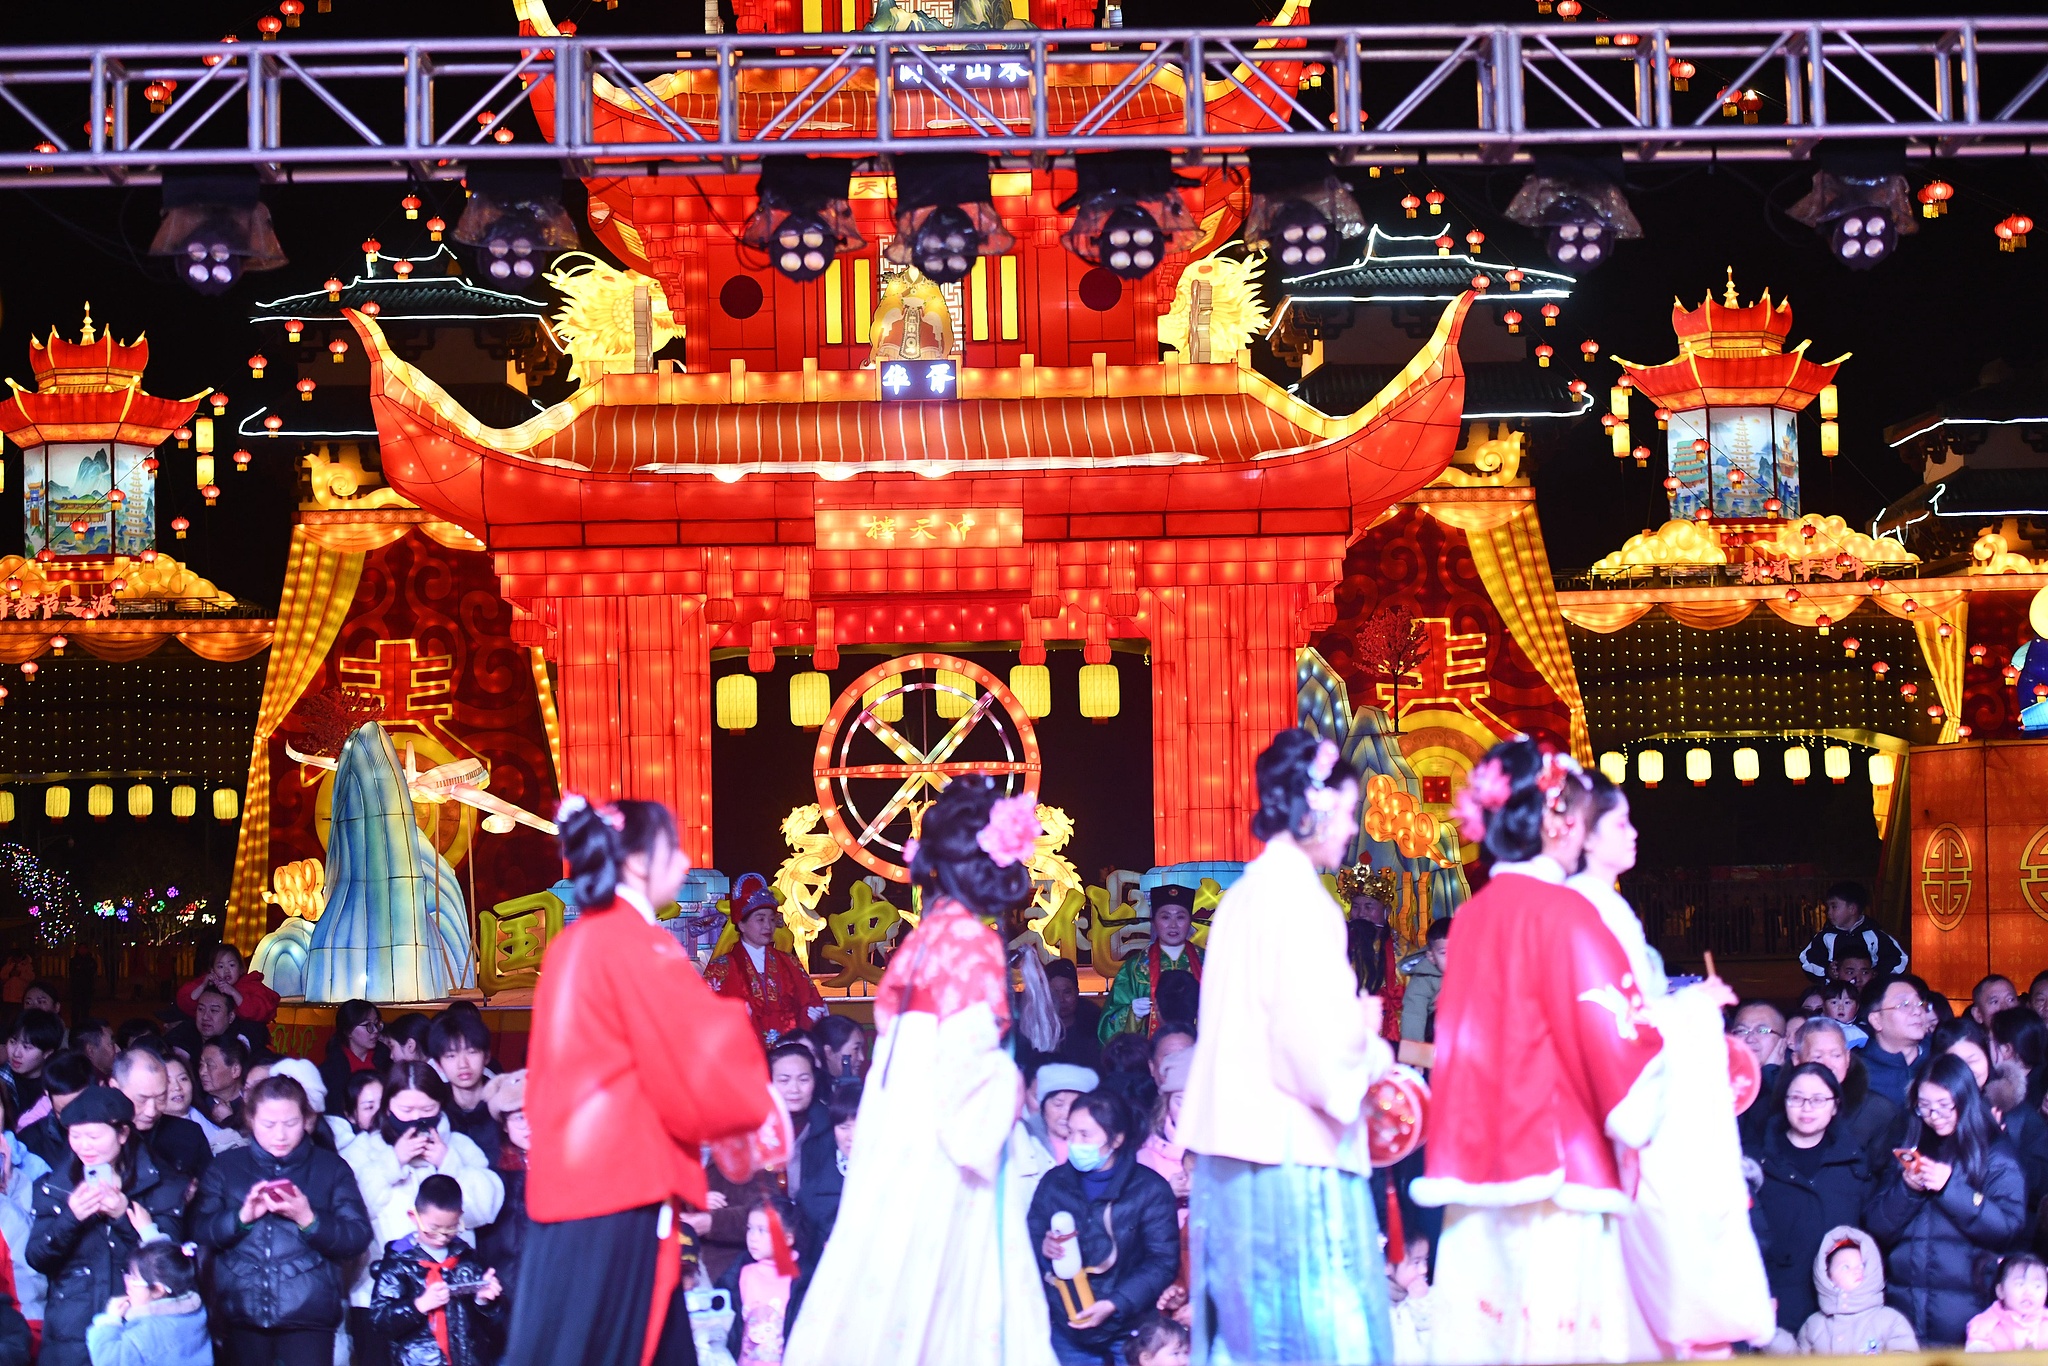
(595,851)
(2026,1034)
(951,863)
(1514,830)
(1969,1147)
(1285,782)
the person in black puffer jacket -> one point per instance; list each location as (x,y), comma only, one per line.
(1127,1222)
(1815,1179)
(91,1215)
(1945,1220)
(432,1287)
(282,1258)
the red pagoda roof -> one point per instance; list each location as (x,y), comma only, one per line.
(91,390)
(1733,354)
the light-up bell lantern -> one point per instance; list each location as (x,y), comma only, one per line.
(1649,767)
(1032,684)
(810,699)
(1101,697)
(738,702)
(1735,387)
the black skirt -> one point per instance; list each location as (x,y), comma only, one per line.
(584,1290)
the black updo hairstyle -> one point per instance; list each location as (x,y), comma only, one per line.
(1284,784)
(594,851)
(950,863)
(1514,833)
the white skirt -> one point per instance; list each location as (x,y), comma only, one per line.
(1529,1284)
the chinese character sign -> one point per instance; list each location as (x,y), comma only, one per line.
(919,528)
(920,379)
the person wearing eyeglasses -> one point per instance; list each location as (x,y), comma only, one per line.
(1761,1027)
(1953,1201)
(1900,1023)
(1814,1178)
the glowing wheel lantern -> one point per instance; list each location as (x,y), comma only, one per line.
(872,802)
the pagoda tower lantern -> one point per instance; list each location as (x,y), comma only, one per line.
(86,430)
(1734,394)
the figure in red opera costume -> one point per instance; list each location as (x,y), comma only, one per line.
(1548,1074)
(779,995)
(940,1271)
(619,1111)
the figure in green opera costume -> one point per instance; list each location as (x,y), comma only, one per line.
(395,927)
(1131,1008)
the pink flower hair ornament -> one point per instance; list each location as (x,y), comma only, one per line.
(1486,790)
(1012,832)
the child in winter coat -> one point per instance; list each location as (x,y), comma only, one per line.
(1853,1320)
(2017,1323)
(764,1299)
(160,1321)
(435,1302)
(1408,1287)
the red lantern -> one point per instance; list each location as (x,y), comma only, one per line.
(257,363)
(210,493)
(1482,283)
(1577,388)
(1569,10)
(1977,653)
(402,269)
(273,424)
(372,307)
(1409,204)
(269,26)
(1435,200)
(333,289)
(1550,312)
(1880,668)
(1513,320)
(150,465)
(1642,457)
(1682,73)
(219,401)
(295,328)
(1443,244)
(411,205)
(1934,712)
(371,246)
(57,644)
(1671,483)
(242,459)
(1476,240)
(184,436)
(1543,354)
(1791,595)
(1909,689)
(1589,348)
(29,669)
(1663,419)
(291,10)
(338,348)
(1934,197)
(305,388)
(435,227)
(1514,277)
(1773,506)
(1850,645)
(1750,102)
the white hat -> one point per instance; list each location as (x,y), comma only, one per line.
(302,1071)
(1065,1076)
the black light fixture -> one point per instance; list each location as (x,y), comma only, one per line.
(803,219)
(1131,213)
(944,217)
(215,226)
(1862,206)
(515,221)
(1582,212)
(1302,213)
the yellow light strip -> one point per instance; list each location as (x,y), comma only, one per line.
(977,298)
(1007,282)
(545,689)
(814,16)
(835,326)
(863,299)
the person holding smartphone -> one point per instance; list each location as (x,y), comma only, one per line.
(92,1213)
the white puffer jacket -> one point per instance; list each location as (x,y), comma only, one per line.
(388,1191)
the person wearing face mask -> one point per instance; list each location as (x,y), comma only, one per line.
(1952,1200)
(1281,1211)
(286,1221)
(1125,1231)
(778,993)
(1547,1065)
(1692,1260)
(620,1114)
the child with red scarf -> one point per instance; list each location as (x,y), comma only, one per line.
(435,1302)
(779,995)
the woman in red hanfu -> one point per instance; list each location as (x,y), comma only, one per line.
(632,1066)
(931,1264)
(779,995)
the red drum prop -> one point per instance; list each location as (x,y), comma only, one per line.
(1396,1113)
(1745,1073)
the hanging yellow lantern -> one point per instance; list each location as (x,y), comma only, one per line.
(952,705)
(1798,763)
(1100,695)
(810,699)
(1837,763)
(184,801)
(1699,765)
(99,801)
(57,801)
(227,804)
(1883,769)
(202,466)
(888,709)
(1032,683)
(1746,764)
(1614,767)
(141,801)
(1649,767)
(738,703)
(6,808)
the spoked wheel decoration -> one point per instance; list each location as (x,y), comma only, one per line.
(875,778)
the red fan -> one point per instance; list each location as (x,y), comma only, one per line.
(1396,1113)
(1745,1073)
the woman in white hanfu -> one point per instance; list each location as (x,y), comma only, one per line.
(1691,1255)
(929,1263)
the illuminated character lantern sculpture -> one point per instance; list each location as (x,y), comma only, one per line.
(394,926)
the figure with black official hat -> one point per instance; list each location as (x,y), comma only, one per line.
(1134,995)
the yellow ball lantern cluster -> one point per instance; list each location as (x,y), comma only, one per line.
(1392,816)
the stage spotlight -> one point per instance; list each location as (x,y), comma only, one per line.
(1131,213)
(1863,211)
(1583,214)
(803,219)
(944,219)
(515,221)
(1301,212)
(216,226)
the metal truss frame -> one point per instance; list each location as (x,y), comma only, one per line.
(425,109)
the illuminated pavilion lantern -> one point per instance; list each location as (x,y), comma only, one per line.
(1735,387)
(89,430)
